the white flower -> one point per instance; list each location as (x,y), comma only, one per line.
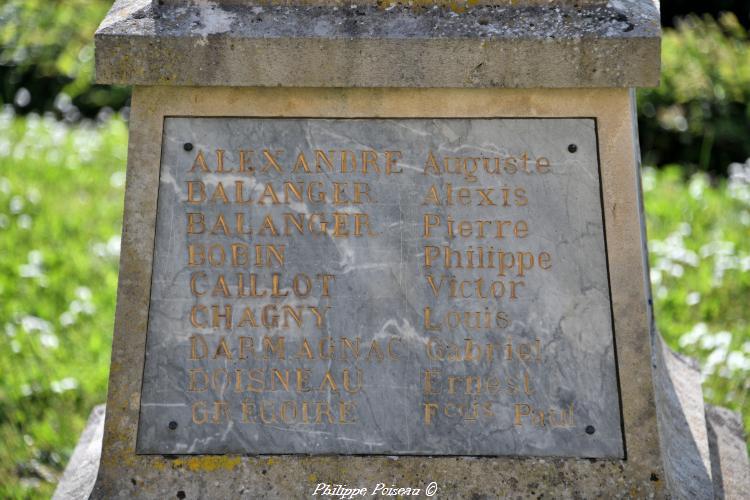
(736,361)
(33,324)
(717,341)
(67,318)
(694,335)
(648,178)
(655,275)
(698,184)
(49,340)
(16,204)
(83,293)
(32,269)
(117,179)
(66,384)
(714,360)
(24,221)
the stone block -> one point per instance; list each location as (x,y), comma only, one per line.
(206,44)
(727,441)
(79,476)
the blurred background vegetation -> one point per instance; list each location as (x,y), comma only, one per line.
(62,169)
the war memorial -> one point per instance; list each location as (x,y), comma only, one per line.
(382,249)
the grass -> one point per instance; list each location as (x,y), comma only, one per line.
(699,243)
(61,191)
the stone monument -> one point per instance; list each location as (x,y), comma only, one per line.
(393,247)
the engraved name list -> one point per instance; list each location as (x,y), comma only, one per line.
(373,286)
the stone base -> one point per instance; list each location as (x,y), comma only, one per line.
(80,475)
(703,447)
(704,450)
(729,463)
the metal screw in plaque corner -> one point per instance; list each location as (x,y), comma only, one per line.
(172,425)
(188,146)
(590,429)
(572,148)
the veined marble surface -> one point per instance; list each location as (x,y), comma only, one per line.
(357,368)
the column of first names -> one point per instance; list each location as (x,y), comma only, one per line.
(476,262)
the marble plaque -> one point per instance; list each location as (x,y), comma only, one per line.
(380,286)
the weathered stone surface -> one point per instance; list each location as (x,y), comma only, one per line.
(455,4)
(730,468)
(125,473)
(518,359)
(80,474)
(613,45)
(682,424)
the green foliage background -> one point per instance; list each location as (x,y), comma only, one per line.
(61,192)
(700,115)
(46,47)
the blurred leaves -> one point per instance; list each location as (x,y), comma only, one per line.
(700,115)
(47,48)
